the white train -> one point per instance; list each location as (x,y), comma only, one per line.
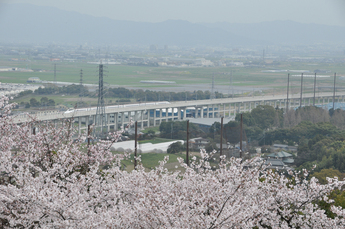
(116,106)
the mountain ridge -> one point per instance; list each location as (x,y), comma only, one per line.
(27,23)
(286,31)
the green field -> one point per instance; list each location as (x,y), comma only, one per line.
(154,128)
(130,76)
(151,160)
(155,140)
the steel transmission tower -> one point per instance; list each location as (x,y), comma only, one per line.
(100,122)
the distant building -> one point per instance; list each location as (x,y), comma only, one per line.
(224,146)
(277,164)
(237,64)
(244,145)
(34,80)
(285,157)
(54,59)
(153,48)
(8,69)
(284,147)
(203,62)
(162,64)
(199,143)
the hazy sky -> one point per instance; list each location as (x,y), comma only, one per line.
(330,12)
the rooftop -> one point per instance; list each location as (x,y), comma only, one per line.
(281,154)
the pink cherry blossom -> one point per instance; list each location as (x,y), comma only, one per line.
(51,180)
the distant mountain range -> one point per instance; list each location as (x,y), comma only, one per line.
(26,23)
(285,32)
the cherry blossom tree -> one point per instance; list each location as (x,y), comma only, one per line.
(52,180)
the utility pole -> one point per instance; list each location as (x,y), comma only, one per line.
(232,86)
(172,126)
(300,102)
(88,140)
(335,76)
(214,132)
(241,127)
(229,89)
(187,146)
(221,138)
(287,93)
(135,145)
(314,89)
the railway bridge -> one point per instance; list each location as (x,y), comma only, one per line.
(152,114)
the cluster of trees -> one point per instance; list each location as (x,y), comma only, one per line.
(260,119)
(176,147)
(305,129)
(69,89)
(325,151)
(269,125)
(313,114)
(24,93)
(50,180)
(178,130)
(44,101)
(123,93)
(52,89)
(147,95)
(319,134)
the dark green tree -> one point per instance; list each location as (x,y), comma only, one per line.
(263,116)
(232,132)
(247,117)
(34,102)
(175,148)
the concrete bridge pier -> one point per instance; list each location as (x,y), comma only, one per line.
(161,115)
(122,119)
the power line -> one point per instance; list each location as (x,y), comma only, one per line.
(300,103)
(335,76)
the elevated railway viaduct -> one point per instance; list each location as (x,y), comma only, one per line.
(152,114)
